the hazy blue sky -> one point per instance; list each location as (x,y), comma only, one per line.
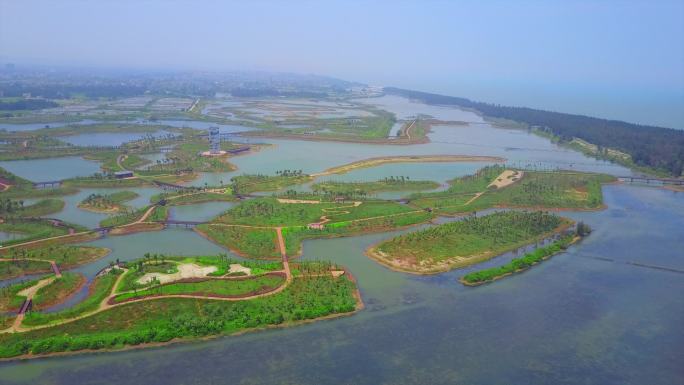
(617,59)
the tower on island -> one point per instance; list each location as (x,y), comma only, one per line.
(214,143)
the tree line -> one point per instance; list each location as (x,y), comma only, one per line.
(656,147)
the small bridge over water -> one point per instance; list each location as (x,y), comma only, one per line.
(55,269)
(186,224)
(171,186)
(26,306)
(50,184)
(651,180)
(103,229)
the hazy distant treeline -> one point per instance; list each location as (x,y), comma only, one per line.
(656,147)
(26,104)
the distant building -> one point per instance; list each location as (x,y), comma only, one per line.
(315,226)
(123,174)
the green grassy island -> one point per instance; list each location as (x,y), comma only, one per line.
(10,208)
(466,242)
(223,296)
(107,203)
(517,265)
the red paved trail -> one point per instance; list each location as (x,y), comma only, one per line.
(281,244)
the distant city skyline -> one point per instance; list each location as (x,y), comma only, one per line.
(613,59)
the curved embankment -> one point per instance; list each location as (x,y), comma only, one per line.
(372,162)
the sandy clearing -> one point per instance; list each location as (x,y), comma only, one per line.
(185,270)
(337,273)
(507,178)
(238,268)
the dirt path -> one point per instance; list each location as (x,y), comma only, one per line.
(283,254)
(471,200)
(144,217)
(408,129)
(120,159)
(29,292)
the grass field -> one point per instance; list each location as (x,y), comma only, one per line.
(244,241)
(463,243)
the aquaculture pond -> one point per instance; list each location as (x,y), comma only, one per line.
(608,311)
(43,170)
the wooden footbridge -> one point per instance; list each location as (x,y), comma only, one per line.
(651,180)
(173,187)
(50,184)
(26,306)
(186,224)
